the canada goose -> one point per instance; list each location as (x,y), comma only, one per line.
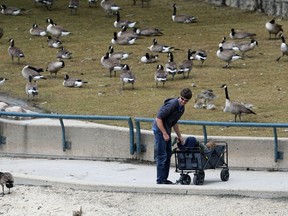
(6,179)
(245,46)
(109,6)
(149,31)
(240,34)
(226,44)
(122,40)
(92,3)
(54,43)
(118,23)
(273,28)
(127,76)
(3,106)
(120,55)
(73,5)
(8,10)
(34,72)
(283,48)
(171,66)
(37,31)
(54,67)
(227,56)
(78,212)
(111,64)
(63,54)
(47,3)
(236,108)
(31,88)
(199,55)
(155,47)
(73,82)
(186,66)
(182,18)
(56,30)
(124,33)
(205,99)
(15,51)
(149,58)
(160,75)
(2,80)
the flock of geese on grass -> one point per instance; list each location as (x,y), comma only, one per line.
(229,51)
(112,60)
(31,73)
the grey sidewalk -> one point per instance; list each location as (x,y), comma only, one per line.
(128,177)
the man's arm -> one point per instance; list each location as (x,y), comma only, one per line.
(162,129)
(177,131)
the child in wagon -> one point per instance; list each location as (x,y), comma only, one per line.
(192,142)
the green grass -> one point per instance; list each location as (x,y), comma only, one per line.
(259,80)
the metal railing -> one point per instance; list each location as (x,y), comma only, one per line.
(204,124)
(66,144)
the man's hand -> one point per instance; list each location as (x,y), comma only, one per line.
(166,137)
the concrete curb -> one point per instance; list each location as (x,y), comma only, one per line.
(148,189)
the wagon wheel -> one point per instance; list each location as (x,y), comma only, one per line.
(198,179)
(185,179)
(202,174)
(224,175)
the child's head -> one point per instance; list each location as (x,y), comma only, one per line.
(211,145)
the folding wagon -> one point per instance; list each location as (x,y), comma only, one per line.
(195,160)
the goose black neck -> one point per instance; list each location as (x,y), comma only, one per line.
(189,54)
(226,93)
(174,10)
(115,36)
(171,57)
(283,39)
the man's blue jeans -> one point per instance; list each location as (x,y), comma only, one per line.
(162,155)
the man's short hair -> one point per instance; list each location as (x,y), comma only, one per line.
(186,93)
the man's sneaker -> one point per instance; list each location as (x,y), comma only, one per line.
(168,182)
(165,182)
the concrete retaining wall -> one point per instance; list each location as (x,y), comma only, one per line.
(270,7)
(43,138)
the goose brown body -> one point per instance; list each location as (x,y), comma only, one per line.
(236,108)
(6,179)
(15,52)
(273,28)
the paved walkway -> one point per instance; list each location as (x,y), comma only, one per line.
(128,177)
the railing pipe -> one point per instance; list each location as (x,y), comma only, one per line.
(204,133)
(204,124)
(276,153)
